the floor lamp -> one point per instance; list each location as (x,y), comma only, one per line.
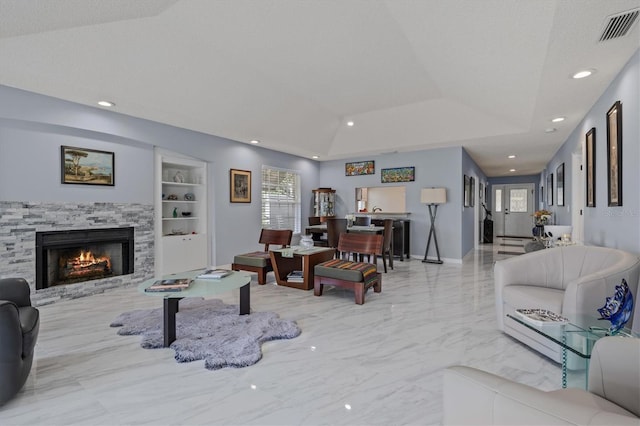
(432,197)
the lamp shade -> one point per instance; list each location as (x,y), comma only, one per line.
(433,195)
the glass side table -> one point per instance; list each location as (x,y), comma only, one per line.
(576,337)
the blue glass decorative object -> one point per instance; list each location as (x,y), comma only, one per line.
(617,309)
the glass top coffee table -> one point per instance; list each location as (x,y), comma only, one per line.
(577,337)
(198,288)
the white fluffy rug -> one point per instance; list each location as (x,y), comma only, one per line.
(209,330)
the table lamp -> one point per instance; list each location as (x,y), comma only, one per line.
(432,197)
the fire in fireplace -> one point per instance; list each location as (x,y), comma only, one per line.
(65,257)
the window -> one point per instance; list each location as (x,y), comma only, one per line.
(280,199)
(498,202)
(518,200)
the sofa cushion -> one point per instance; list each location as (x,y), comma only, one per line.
(347,271)
(526,296)
(259,259)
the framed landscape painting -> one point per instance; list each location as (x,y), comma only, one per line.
(86,166)
(240,191)
(398,174)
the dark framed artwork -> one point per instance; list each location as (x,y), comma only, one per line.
(481,193)
(398,174)
(240,190)
(590,148)
(560,185)
(472,191)
(614,154)
(466,189)
(550,189)
(541,194)
(360,168)
(87,166)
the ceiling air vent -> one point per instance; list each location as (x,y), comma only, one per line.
(619,25)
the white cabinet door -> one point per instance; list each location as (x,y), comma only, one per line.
(184,253)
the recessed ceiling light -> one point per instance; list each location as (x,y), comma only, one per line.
(255,141)
(583,74)
(512,170)
(350,123)
(315,157)
(511,156)
(106,104)
(557,119)
(550,130)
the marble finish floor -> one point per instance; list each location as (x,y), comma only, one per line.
(376,364)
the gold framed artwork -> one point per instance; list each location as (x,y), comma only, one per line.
(240,190)
(590,148)
(614,154)
(87,166)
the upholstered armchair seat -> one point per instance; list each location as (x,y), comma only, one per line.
(19,327)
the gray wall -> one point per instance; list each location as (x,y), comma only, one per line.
(434,168)
(32,128)
(603,225)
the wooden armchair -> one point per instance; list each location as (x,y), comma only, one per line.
(387,244)
(259,261)
(357,276)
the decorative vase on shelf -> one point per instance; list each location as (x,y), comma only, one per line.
(175,212)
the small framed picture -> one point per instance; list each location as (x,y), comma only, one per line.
(240,181)
(467,191)
(86,166)
(614,154)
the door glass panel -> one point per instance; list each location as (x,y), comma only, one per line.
(518,200)
(498,206)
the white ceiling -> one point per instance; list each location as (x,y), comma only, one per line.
(487,75)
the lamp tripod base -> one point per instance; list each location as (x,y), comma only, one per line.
(439,262)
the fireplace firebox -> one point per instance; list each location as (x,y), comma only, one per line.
(66,257)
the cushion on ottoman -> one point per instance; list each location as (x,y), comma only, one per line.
(346,270)
(259,259)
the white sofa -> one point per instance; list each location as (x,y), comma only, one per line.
(566,280)
(475,397)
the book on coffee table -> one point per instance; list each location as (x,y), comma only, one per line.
(214,274)
(541,317)
(172,284)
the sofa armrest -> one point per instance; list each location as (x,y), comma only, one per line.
(10,332)
(475,397)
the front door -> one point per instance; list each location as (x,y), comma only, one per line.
(513,209)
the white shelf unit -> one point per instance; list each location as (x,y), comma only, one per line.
(181,240)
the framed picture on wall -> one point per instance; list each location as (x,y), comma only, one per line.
(398,174)
(550,189)
(614,154)
(240,190)
(590,147)
(359,168)
(87,166)
(560,185)
(472,191)
(466,190)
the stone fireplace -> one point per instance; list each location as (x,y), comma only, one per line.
(72,256)
(25,227)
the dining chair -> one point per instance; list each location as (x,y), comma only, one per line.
(335,227)
(387,248)
(362,221)
(318,240)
